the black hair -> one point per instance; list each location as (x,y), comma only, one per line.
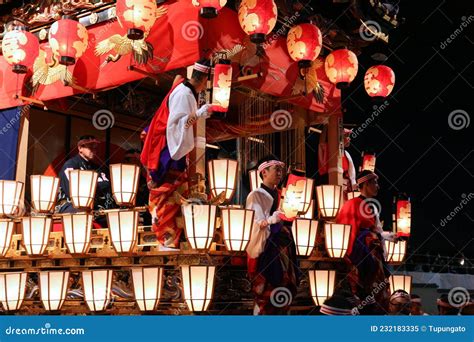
(199,75)
(132,150)
(363,174)
(86,137)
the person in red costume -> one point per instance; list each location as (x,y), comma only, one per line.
(368,271)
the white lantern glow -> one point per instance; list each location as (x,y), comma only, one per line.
(395,251)
(198,285)
(329,200)
(10,193)
(321,283)
(97,288)
(200,222)
(310,213)
(53,288)
(12,289)
(304,233)
(237,226)
(353,194)
(337,239)
(77,232)
(255,180)
(44,190)
(147,286)
(124,181)
(400,282)
(6,233)
(82,186)
(36,233)
(222,176)
(123,226)
(297,197)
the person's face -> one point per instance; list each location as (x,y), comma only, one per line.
(272,175)
(132,159)
(370,188)
(201,85)
(88,151)
(416,309)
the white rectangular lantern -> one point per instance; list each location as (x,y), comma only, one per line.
(147,286)
(310,213)
(53,289)
(198,285)
(329,200)
(255,180)
(124,179)
(36,233)
(82,187)
(403,217)
(400,282)
(337,239)
(123,226)
(321,283)
(297,197)
(304,233)
(237,226)
(395,251)
(222,177)
(12,289)
(97,288)
(221,85)
(200,223)
(77,232)
(6,233)
(10,194)
(44,191)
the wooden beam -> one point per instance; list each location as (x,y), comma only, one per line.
(335,149)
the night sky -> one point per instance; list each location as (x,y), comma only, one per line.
(418,151)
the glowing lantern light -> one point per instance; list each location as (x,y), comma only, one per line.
(147,286)
(403,217)
(53,289)
(200,223)
(329,200)
(337,239)
(82,185)
(304,233)
(379,81)
(124,181)
(68,40)
(97,288)
(321,283)
(310,213)
(395,251)
(400,282)
(255,180)
(138,16)
(353,194)
(77,232)
(10,193)
(44,190)
(368,161)
(12,289)
(237,226)
(222,176)
(123,226)
(198,285)
(6,233)
(257,18)
(36,233)
(297,196)
(20,49)
(209,8)
(341,67)
(221,86)
(304,43)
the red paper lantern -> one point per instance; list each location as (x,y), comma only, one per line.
(20,49)
(341,67)
(402,219)
(304,44)
(257,18)
(368,161)
(68,40)
(221,86)
(209,8)
(138,16)
(379,81)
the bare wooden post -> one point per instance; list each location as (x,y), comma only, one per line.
(22,148)
(335,149)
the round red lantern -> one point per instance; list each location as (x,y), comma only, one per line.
(209,8)
(304,44)
(221,86)
(20,49)
(341,67)
(379,81)
(138,16)
(68,40)
(257,18)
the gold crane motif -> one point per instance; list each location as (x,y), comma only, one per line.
(309,84)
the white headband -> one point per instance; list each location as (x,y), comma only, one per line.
(367,178)
(269,163)
(201,67)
